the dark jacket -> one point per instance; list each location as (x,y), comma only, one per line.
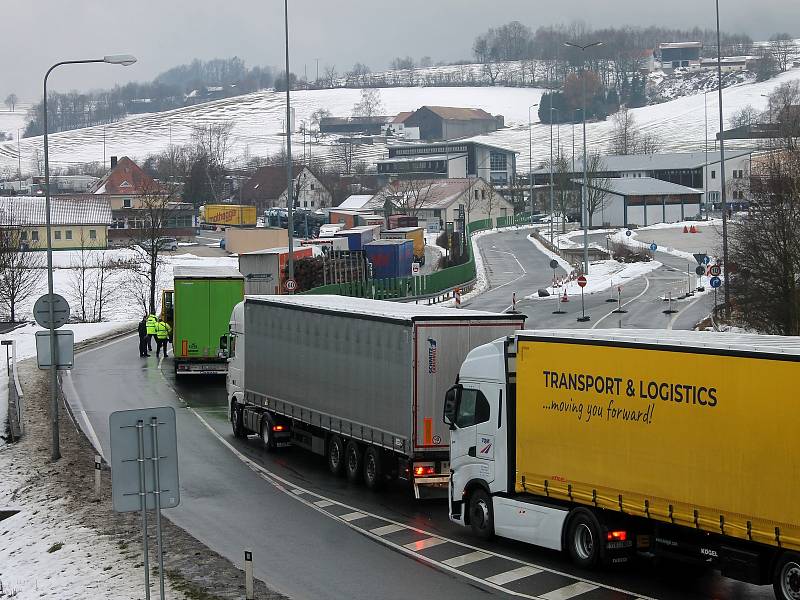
(142,329)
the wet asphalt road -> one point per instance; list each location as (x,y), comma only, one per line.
(300,549)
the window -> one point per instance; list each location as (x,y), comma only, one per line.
(476,194)
(311,204)
(92,234)
(57,234)
(312,187)
(24,236)
(713,174)
(69,234)
(34,236)
(473,408)
(127,203)
(483,194)
(498,161)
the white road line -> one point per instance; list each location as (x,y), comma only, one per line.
(646,287)
(285,486)
(513,575)
(90,432)
(353,516)
(674,318)
(387,529)
(324,503)
(426,543)
(296,490)
(570,591)
(466,559)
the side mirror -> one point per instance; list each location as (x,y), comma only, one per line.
(451,399)
(223,342)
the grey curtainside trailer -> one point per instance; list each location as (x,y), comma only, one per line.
(358,381)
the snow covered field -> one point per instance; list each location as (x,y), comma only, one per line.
(258,122)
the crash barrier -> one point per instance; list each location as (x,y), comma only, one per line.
(16,399)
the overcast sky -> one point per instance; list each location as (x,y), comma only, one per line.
(165,33)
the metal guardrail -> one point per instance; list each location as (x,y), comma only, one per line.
(16,399)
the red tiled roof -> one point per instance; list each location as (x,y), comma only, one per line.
(126,178)
(401,117)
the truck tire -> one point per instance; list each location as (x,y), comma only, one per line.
(481,514)
(266,434)
(786,577)
(353,461)
(336,454)
(237,421)
(373,468)
(583,539)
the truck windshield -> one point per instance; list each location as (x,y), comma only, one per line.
(473,409)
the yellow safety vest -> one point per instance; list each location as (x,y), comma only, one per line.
(151,324)
(163,330)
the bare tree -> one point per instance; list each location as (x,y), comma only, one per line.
(783,48)
(11,101)
(491,200)
(331,76)
(370,104)
(408,196)
(20,264)
(343,153)
(212,145)
(597,184)
(81,279)
(628,138)
(747,115)
(92,282)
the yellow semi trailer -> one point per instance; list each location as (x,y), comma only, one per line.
(606,444)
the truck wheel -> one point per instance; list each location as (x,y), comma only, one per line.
(373,469)
(336,454)
(266,434)
(237,421)
(786,580)
(353,461)
(583,539)
(481,515)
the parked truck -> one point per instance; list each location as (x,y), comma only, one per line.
(609,444)
(357,381)
(198,310)
(237,215)
(415,234)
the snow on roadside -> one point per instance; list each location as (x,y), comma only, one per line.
(621,237)
(602,275)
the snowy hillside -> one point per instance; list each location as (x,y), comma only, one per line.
(10,122)
(258,122)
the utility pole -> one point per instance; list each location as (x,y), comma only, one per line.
(289,194)
(19,160)
(530,159)
(317,68)
(552,191)
(722,173)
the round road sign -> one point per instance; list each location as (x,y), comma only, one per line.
(290,285)
(715,282)
(715,270)
(41,310)
(706,259)
(629,233)
(582,281)
(554,264)
(700,270)
(653,247)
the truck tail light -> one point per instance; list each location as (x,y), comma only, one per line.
(420,470)
(617,536)
(278,428)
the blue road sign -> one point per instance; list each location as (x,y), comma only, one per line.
(715,282)
(706,260)
(653,247)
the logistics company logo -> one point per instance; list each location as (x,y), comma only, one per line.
(433,362)
(222,216)
(486,447)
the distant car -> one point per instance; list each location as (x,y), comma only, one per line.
(169,244)
(557,218)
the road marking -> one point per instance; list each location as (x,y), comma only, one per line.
(353,516)
(286,486)
(426,543)
(296,490)
(90,431)
(685,308)
(513,575)
(646,287)
(387,529)
(570,591)
(324,503)
(466,559)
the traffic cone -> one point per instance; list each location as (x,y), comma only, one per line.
(565,298)
(693,229)
(685,229)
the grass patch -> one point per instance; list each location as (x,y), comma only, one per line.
(190,589)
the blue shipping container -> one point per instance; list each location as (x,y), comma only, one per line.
(390,258)
(356,238)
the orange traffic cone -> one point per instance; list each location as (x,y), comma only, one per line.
(693,229)
(564,298)
(685,229)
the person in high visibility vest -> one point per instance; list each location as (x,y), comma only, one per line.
(151,331)
(163,333)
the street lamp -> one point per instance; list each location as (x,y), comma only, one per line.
(112,59)
(584,211)
(289,195)
(722,173)
(530,159)
(552,191)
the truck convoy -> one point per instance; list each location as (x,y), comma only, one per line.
(373,406)
(198,310)
(609,444)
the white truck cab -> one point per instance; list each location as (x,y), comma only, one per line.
(234,380)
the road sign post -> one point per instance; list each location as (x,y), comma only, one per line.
(143,468)
(582,284)
(611,291)
(619,308)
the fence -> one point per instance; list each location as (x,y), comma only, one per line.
(16,400)
(438,284)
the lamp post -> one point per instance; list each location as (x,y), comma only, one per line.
(552,185)
(289,194)
(530,159)
(113,59)
(584,211)
(722,172)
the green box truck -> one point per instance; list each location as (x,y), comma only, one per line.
(201,305)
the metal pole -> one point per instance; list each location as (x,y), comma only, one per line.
(705,170)
(143,505)
(157,496)
(530,161)
(552,197)
(289,193)
(585,182)
(722,171)
(19,161)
